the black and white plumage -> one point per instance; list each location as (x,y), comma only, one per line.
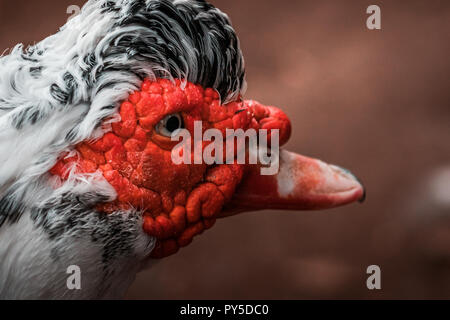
(58,93)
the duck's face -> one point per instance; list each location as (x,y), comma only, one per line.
(179,200)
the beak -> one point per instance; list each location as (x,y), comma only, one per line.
(301,183)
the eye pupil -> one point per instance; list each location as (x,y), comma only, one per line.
(169,125)
(173,123)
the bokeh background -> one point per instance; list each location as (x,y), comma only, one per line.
(377,102)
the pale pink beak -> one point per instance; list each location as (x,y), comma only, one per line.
(302,183)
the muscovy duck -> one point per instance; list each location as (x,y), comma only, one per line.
(86,177)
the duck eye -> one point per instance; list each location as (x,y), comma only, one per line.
(170,124)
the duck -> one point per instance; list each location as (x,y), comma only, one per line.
(88,118)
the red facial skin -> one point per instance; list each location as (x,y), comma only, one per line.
(178,201)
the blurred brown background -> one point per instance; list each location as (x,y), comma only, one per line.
(377,102)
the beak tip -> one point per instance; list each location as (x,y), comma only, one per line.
(363,197)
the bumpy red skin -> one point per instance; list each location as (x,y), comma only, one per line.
(178,201)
